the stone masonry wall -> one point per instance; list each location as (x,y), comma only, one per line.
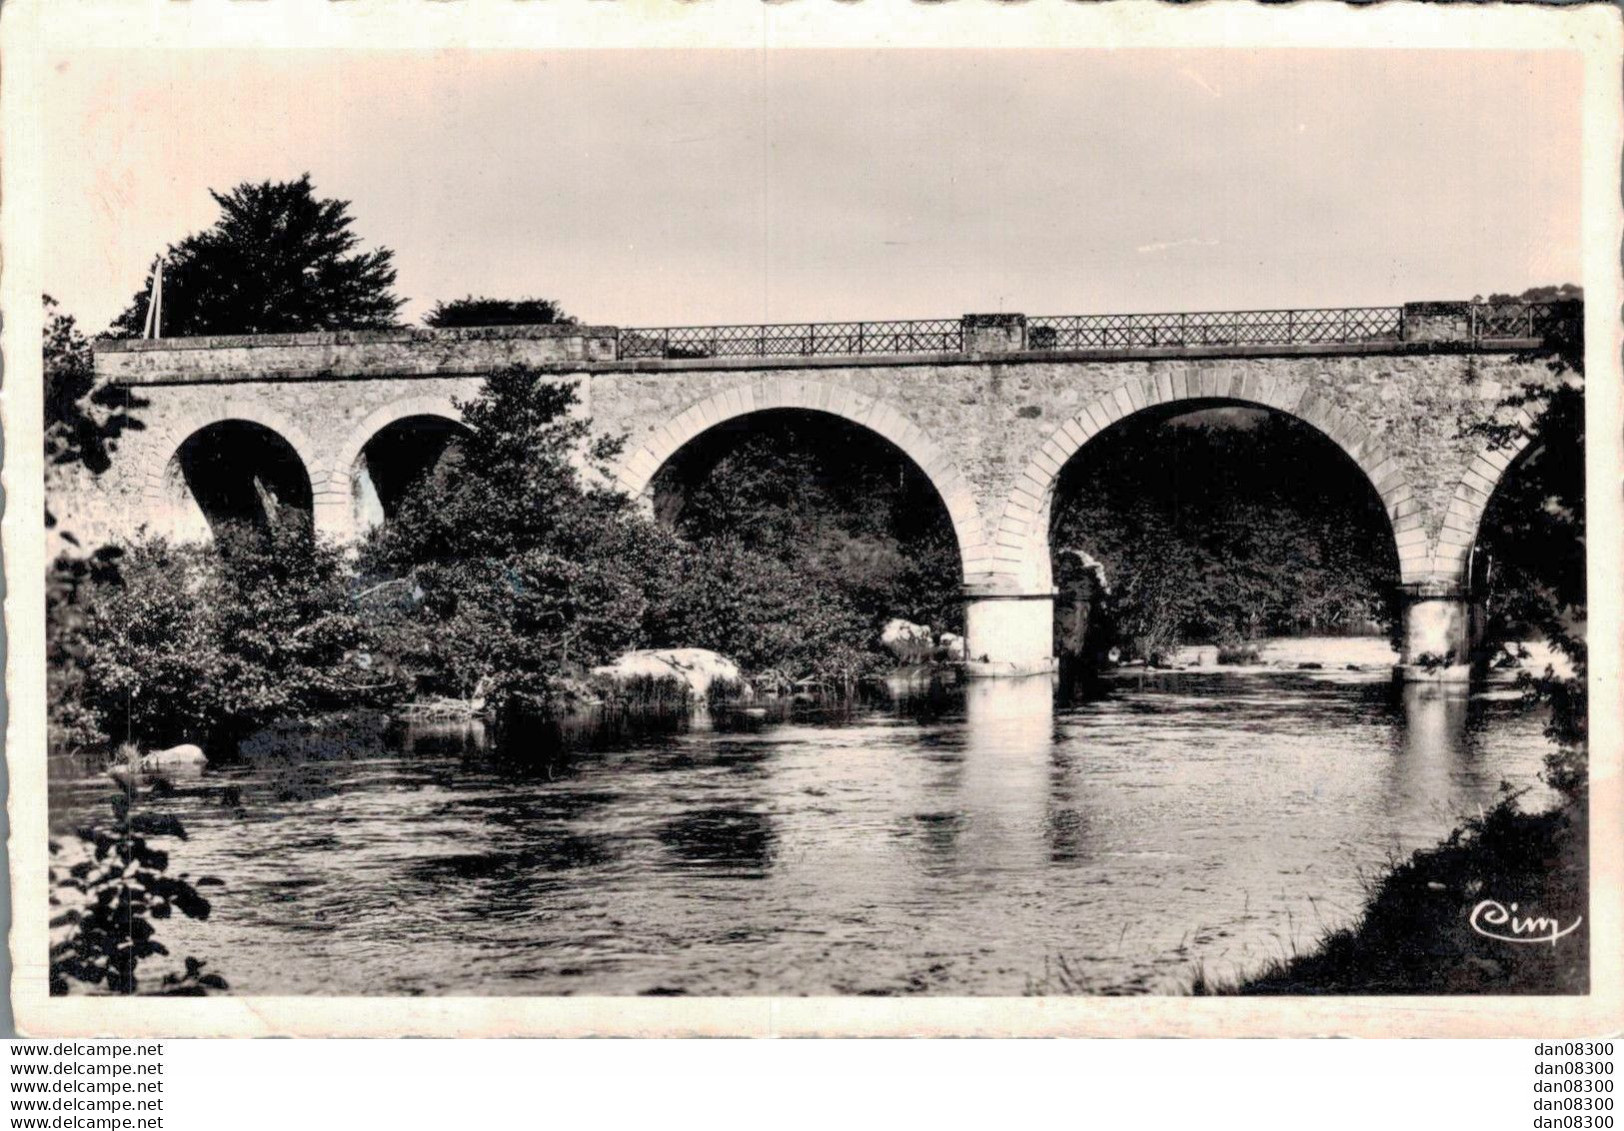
(991,431)
(994,428)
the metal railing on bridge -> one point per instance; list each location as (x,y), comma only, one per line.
(1497,321)
(796,339)
(1223,328)
(1353,325)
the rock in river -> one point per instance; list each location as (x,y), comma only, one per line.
(910,643)
(697,667)
(186,754)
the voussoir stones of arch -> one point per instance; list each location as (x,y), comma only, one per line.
(1464,515)
(1023,525)
(169,441)
(639,467)
(380,418)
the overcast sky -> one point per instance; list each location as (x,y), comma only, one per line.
(685,187)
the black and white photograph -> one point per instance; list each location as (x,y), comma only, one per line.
(1037,523)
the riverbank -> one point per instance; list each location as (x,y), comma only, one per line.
(1417,933)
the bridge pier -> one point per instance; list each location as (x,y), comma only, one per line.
(1008,634)
(332,516)
(1437,634)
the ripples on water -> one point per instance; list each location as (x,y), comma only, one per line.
(948,844)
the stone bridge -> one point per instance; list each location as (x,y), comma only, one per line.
(989,407)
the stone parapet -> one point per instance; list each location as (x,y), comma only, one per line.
(1418,327)
(350,354)
(993,333)
(1436,322)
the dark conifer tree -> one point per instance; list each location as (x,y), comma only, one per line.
(279,260)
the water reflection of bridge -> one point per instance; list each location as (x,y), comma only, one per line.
(945,850)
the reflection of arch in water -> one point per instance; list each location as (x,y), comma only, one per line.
(642,464)
(1432,764)
(733,842)
(231,472)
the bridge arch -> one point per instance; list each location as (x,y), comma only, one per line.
(169,496)
(443,407)
(1023,530)
(348,484)
(638,469)
(1463,520)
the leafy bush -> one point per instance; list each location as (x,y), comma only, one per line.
(73,720)
(799,538)
(210,643)
(519,569)
(724,692)
(1239,653)
(826,509)
(762,612)
(106,890)
(513,571)
(481,311)
(83,417)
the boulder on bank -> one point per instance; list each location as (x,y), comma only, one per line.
(698,668)
(129,766)
(910,643)
(186,754)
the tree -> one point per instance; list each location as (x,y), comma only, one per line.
(512,571)
(83,419)
(1549,293)
(801,537)
(207,644)
(279,260)
(471,311)
(1530,561)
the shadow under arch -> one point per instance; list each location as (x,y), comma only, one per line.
(644,463)
(844,465)
(233,473)
(1028,512)
(395,459)
(1526,559)
(1482,486)
(1269,520)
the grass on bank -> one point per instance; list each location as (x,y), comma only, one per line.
(1415,934)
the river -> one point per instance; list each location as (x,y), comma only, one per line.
(961,842)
